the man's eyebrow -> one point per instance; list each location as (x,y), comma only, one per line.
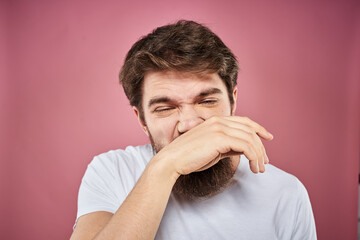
(158,100)
(209,92)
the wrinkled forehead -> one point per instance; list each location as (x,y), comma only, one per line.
(179,84)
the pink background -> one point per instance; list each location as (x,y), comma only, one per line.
(61,103)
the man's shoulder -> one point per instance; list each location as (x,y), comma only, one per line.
(273,178)
(130,152)
(281,175)
(130,157)
(110,177)
(286,182)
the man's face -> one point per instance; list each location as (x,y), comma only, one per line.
(173,103)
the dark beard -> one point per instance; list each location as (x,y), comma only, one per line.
(204,184)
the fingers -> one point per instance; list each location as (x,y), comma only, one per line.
(249,144)
(260,130)
(261,150)
(244,128)
(241,145)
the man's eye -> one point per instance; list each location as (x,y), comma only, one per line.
(162,109)
(209,102)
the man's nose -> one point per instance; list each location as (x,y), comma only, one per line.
(188,119)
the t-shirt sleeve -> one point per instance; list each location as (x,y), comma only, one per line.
(304,227)
(97,189)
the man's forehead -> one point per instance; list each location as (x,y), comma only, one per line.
(158,82)
(175,85)
(206,74)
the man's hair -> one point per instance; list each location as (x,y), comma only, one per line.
(185,46)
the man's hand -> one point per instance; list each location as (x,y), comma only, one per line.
(218,137)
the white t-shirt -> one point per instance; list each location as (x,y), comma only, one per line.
(270,205)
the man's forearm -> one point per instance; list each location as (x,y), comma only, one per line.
(140,214)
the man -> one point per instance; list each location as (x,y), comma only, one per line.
(196,180)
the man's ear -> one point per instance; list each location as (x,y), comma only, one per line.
(141,122)
(234,95)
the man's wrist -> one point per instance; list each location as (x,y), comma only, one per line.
(162,168)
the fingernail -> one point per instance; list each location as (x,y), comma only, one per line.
(267,159)
(269,134)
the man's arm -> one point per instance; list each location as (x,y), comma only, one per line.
(140,214)
(88,225)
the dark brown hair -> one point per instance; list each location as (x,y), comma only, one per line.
(182,46)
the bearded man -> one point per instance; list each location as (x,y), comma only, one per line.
(198,178)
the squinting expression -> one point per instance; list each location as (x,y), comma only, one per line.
(175,102)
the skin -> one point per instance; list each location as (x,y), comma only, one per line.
(191,120)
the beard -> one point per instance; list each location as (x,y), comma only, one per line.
(203,184)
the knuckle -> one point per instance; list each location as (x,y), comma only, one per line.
(253,134)
(217,136)
(247,119)
(247,144)
(262,129)
(250,150)
(216,127)
(254,139)
(214,119)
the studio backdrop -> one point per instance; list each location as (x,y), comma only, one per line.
(61,103)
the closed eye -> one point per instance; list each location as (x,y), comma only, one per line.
(162,109)
(209,102)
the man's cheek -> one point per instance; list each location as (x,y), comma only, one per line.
(160,138)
